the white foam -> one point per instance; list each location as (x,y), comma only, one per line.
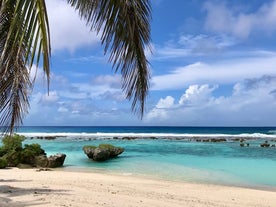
(146,135)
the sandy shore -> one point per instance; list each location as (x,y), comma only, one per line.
(85,189)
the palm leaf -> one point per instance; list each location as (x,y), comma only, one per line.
(24,37)
(125,29)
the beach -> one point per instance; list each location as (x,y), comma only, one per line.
(30,187)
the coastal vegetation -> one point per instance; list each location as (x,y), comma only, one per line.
(14,154)
(25,41)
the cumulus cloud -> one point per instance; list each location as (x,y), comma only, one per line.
(247,105)
(167,102)
(67,30)
(196,94)
(222,19)
(220,72)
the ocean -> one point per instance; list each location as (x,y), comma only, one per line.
(172,153)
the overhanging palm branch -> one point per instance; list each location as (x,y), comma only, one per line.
(24,37)
(125,29)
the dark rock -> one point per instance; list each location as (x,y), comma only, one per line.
(116,151)
(47,137)
(217,140)
(41,161)
(265,144)
(102,152)
(56,160)
(89,151)
(242,144)
(51,162)
(236,139)
(129,138)
(50,137)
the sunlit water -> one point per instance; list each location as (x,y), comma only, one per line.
(174,155)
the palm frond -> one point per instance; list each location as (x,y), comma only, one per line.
(14,86)
(125,29)
(24,37)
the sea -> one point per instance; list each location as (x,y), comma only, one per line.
(189,154)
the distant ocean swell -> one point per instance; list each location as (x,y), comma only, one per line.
(184,136)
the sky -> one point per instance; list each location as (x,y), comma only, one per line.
(213,63)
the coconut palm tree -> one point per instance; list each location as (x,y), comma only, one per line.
(25,41)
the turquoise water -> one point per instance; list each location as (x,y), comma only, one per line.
(172,156)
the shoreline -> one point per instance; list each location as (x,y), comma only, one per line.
(28,187)
(166,179)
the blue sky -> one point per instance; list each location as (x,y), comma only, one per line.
(213,63)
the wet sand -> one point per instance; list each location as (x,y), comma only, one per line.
(30,187)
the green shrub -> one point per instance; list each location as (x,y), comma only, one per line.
(34,148)
(3,163)
(14,154)
(13,158)
(13,142)
(29,152)
(2,151)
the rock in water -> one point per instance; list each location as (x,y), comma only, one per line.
(102,152)
(89,151)
(116,151)
(56,160)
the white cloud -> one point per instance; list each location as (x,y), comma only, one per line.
(187,45)
(110,80)
(49,98)
(196,94)
(249,104)
(222,19)
(205,44)
(169,52)
(75,100)
(63,109)
(167,102)
(101,87)
(67,30)
(221,72)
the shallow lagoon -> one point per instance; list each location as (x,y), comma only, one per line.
(219,163)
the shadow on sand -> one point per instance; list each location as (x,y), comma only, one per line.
(8,193)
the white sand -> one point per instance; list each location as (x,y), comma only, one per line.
(85,189)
